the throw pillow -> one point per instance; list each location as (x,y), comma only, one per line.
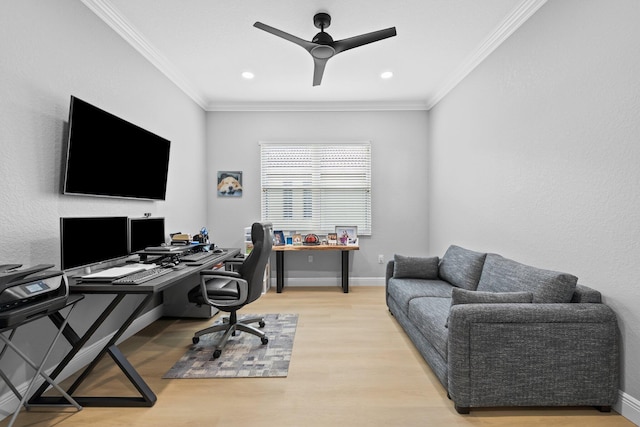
(462,267)
(463,296)
(415,267)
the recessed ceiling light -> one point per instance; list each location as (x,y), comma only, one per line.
(248,75)
(386,75)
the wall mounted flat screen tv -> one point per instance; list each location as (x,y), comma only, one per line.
(110,157)
(145,232)
(86,241)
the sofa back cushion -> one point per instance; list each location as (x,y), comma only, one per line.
(415,267)
(461,267)
(500,274)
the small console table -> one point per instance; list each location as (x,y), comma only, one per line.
(345,249)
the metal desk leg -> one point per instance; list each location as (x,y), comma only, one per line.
(345,272)
(147,399)
(39,370)
(279,271)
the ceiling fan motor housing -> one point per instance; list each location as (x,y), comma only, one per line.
(322,20)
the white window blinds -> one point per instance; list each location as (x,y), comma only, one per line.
(312,187)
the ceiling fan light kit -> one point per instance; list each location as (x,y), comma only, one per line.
(322,47)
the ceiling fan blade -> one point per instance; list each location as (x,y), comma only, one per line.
(318,70)
(351,42)
(307,45)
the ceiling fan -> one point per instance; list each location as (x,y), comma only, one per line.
(322,46)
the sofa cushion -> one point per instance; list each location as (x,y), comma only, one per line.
(463,296)
(429,315)
(461,267)
(504,275)
(404,290)
(415,267)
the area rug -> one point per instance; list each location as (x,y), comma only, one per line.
(244,355)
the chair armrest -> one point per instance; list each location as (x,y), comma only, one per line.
(227,274)
(533,354)
(243,287)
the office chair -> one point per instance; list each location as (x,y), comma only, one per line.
(245,287)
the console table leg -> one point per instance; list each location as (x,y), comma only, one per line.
(345,272)
(279,271)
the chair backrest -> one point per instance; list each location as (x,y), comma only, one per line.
(252,269)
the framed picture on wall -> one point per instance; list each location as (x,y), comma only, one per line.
(229,184)
(347,235)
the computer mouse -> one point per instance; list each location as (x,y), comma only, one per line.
(218,251)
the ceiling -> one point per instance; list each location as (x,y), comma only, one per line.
(203,46)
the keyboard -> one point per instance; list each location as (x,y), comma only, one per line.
(197,256)
(142,276)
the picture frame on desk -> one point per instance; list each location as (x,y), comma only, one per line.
(297,240)
(278,238)
(332,239)
(347,235)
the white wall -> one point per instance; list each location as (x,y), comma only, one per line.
(50,51)
(399,179)
(536,156)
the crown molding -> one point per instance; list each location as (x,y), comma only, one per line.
(112,17)
(508,26)
(319,106)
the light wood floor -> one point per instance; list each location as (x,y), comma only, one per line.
(351,366)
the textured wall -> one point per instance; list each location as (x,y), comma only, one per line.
(399,174)
(50,51)
(535,155)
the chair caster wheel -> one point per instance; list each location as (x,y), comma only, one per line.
(264,340)
(217,354)
(261,323)
(195,340)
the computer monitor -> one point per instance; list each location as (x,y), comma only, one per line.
(145,232)
(86,241)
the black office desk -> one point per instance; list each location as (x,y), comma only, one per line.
(148,289)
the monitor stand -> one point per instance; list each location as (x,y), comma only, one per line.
(147,259)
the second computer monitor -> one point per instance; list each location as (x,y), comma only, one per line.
(145,232)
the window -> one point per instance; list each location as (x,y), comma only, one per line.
(312,187)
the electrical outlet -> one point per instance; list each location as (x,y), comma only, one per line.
(380,259)
(310,258)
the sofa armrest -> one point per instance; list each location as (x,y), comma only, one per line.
(533,355)
(388,274)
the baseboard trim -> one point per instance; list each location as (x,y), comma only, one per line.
(328,281)
(628,407)
(9,402)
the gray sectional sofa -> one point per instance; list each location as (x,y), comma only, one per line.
(500,333)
